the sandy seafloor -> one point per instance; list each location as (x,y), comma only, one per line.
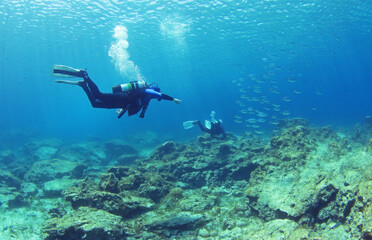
(304,182)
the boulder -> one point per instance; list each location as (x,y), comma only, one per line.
(9,180)
(43,171)
(293,143)
(125,206)
(54,188)
(116,148)
(91,153)
(276,229)
(86,223)
(182,221)
(6,157)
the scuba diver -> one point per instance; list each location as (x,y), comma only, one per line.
(212,127)
(131,97)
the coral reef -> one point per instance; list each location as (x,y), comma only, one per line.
(302,183)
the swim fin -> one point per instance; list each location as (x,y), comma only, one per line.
(80,83)
(66,72)
(188,124)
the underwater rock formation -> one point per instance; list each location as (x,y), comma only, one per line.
(47,170)
(9,180)
(302,183)
(6,157)
(54,188)
(292,122)
(171,224)
(86,223)
(41,150)
(293,143)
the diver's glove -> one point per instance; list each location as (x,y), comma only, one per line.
(176,100)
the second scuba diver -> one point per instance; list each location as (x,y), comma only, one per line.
(131,97)
(212,127)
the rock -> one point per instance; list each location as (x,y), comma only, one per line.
(116,148)
(54,188)
(178,222)
(125,160)
(9,180)
(155,186)
(6,194)
(131,182)
(300,233)
(6,157)
(19,200)
(359,218)
(91,153)
(198,204)
(57,211)
(45,153)
(43,171)
(243,171)
(292,144)
(324,133)
(109,183)
(168,151)
(272,197)
(125,206)
(205,141)
(292,122)
(86,223)
(224,150)
(204,233)
(339,148)
(12,198)
(121,171)
(29,188)
(41,150)
(325,196)
(19,171)
(275,229)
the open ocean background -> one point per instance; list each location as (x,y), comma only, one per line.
(265,60)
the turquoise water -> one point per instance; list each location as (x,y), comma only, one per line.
(243,59)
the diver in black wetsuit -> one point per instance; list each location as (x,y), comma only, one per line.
(213,127)
(215,130)
(131,97)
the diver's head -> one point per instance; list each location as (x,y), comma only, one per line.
(155,87)
(217,122)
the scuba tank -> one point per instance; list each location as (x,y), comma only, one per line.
(129,87)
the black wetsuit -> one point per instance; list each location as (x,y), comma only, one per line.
(216,130)
(132,102)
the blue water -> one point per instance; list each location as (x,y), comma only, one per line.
(315,54)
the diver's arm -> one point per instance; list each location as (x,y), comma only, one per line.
(158,95)
(166,97)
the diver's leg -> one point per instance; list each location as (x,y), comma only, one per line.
(92,86)
(93,100)
(197,122)
(103,100)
